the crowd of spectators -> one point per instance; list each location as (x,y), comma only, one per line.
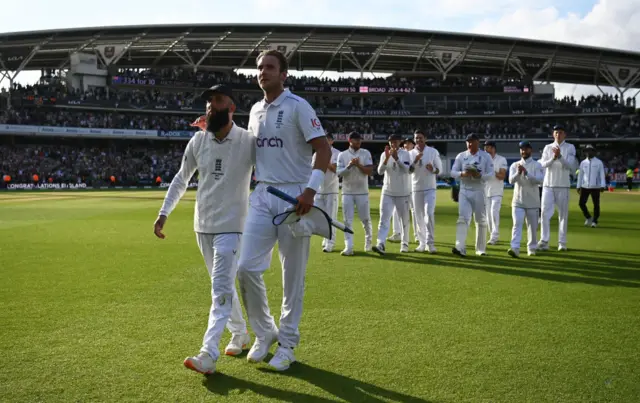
(577,126)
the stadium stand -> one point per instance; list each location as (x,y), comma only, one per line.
(131,129)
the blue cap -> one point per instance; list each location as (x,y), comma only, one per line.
(472,136)
(525,144)
(558,127)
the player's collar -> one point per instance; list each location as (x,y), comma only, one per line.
(228,137)
(280,99)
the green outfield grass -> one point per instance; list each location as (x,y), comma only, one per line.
(94,308)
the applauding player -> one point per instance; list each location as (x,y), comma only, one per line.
(425,167)
(354,167)
(525,176)
(394,165)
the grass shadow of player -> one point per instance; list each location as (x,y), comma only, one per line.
(524,267)
(343,387)
(607,253)
(221,384)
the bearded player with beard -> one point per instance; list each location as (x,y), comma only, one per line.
(224,156)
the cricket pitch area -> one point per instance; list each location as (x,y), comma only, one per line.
(93,307)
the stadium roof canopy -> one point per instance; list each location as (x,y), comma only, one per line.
(333,48)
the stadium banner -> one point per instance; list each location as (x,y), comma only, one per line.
(198,107)
(76,131)
(348,89)
(176,133)
(45,186)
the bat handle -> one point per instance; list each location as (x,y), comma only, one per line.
(282,195)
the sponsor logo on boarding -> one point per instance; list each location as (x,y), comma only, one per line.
(270,142)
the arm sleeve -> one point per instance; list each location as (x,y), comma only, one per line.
(569,160)
(308,121)
(537,176)
(513,173)
(456,169)
(489,171)
(179,184)
(341,166)
(404,161)
(437,163)
(546,159)
(579,184)
(382,168)
(603,179)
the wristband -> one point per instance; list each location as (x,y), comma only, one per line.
(316,179)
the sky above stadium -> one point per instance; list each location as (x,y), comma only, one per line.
(608,23)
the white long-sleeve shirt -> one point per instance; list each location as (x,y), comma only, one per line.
(481,160)
(526,193)
(421,178)
(396,174)
(331,184)
(558,171)
(354,182)
(224,171)
(495,186)
(591,175)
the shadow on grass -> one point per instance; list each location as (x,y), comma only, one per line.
(342,387)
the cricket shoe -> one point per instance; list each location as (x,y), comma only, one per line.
(459,252)
(594,224)
(394,238)
(562,248)
(202,363)
(327,249)
(367,246)
(493,242)
(282,359)
(404,248)
(421,248)
(432,249)
(513,252)
(588,222)
(239,342)
(260,348)
(531,252)
(379,248)
(347,252)
(542,245)
(481,253)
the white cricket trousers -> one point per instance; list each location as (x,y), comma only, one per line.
(424,203)
(493,216)
(220,256)
(259,237)
(519,214)
(397,228)
(329,203)
(361,203)
(387,204)
(471,202)
(553,198)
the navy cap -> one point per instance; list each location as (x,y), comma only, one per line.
(558,127)
(589,147)
(472,136)
(217,89)
(355,136)
(395,137)
(410,140)
(525,144)
(490,143)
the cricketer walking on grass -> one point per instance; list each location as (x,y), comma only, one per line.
(355,164)
(525,175)
(591,182)
(408,146)
(224,156)
(473,168)
(495,191)
(394,165)
(287,131)
(558,160)
(327,196)
(425,167)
